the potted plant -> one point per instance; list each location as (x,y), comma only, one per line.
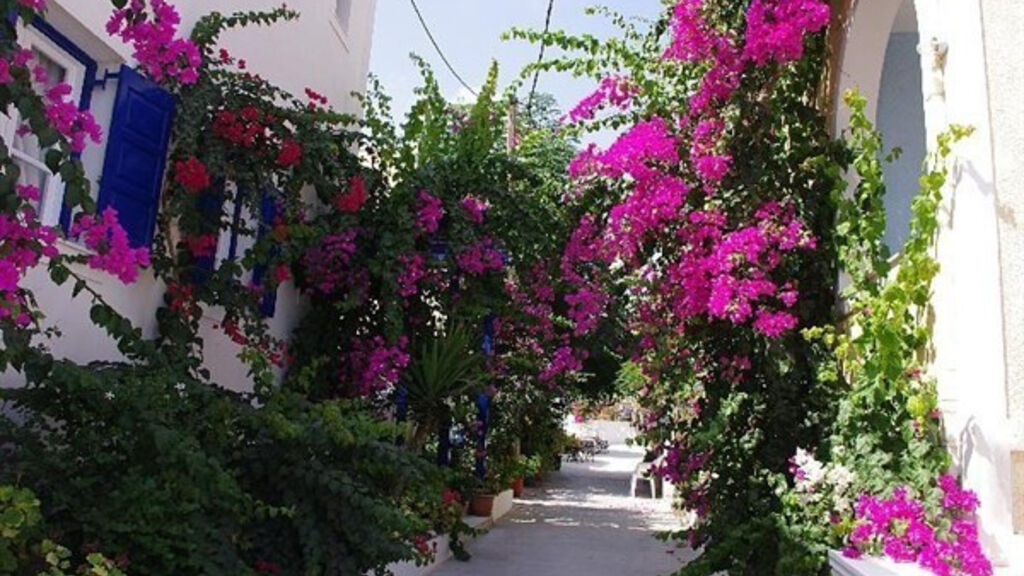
(446,367)
(483,497)
(525,467)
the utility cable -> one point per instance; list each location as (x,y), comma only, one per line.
(540,57)
(438,48)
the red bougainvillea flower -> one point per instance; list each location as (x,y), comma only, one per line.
(290,154)
(351,201)
(203,246)
(282,273)
(192,175)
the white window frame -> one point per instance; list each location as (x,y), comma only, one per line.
(52,199)
(342,27)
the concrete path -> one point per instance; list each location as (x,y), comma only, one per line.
(580,522)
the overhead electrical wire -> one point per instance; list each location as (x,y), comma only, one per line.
(437,47)
(540,57)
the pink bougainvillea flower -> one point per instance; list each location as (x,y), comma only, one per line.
(776,29)
(480,258)
(112,252)
(429,213)
(5,72)
(28,192)
(74,124)
(412,272)
(613,91)
(37,5)
(153,33)
(474,209)
(375,365)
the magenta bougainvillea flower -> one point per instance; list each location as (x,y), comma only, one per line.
(112,252)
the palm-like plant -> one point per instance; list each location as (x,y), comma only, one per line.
(447,366)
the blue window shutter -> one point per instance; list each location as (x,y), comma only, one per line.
(133,170)
(268,213)
(210,205)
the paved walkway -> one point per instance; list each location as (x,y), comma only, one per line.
(580,522)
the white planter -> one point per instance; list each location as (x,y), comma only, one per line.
(411,569)
(443,553)
(502,504)
(843,566)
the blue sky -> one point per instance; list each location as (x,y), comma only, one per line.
(469,33)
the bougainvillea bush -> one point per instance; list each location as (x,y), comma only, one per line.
(149,461)
(719,224)
(389,233)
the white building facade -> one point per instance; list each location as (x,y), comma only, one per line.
(327,49)
(925,64)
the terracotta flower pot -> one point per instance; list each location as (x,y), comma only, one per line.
(518,485)
(482,505)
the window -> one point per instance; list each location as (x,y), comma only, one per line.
(60,66)
(343,11)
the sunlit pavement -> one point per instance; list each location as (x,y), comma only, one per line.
(580,521)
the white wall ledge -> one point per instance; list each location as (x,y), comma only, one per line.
(843,566)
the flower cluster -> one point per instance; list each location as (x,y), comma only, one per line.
(474,209)
(327,265)
(23,242)
(646,143)
(613,91)
(74,124)
(429,213)
(480,258)
(900,527)
(290,154)
(776,28)
(202,246)
(192,175)
(153,33)
(710,165)
(246,127)
(413,271)
(375,365)
(586,307)
(353,199)
(112,252)
(565,360)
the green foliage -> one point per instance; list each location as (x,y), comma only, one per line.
(888,432)
(182,477)
(24,550)
(447,368)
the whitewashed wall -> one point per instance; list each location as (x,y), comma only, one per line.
(976,345)
(316,51)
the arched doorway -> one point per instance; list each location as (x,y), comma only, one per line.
(900,118)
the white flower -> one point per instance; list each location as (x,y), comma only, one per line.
(180,386)
(109,395)
(841,477)
(688,520)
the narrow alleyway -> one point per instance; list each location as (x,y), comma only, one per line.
(581,521)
